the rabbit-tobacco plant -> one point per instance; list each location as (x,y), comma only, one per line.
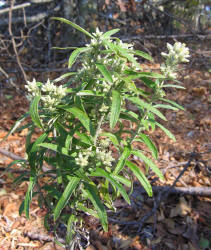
(79,125)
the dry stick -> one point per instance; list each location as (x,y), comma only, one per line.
(13,41)
(20,6)
(40,237)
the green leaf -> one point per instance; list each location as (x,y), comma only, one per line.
(173,86)
(83,118)
(167,132)
(147,106)
(115,108)
(28,196)
(70,228)
(121,163)
(111,136)
(86,210)
(129,115)
(148,82)
(173,103)
(64,76)
(15,126)
(141,177)
(88,93)
(38,141)
(164,106)
(73,183)
(149,162)
(92,192)
(128,54)
(110,33)
(75,54)
(73,25)
(102,68)
(33,110)
(149,144)
(135,75)
(84,138)
(55,148)
(121,179)
(143,54)
(102,173)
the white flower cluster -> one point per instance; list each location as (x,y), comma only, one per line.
(178,53)
(32,88)
(104,108)
(168,71)
(83,157)
(105,157)
(103,154)
(51,95)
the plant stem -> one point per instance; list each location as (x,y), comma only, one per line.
(98,129)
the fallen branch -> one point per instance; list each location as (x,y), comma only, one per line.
(40,237)
(10,154)
(202,191)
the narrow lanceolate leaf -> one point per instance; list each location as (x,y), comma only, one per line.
(37,142)
(115,108)
(147,106)
(135,75)
(92,193)
(73,183)
(121,163)
(122,179)
(172,86)
(64,76)
(149,162)
(102,173)
(86,210)
(75,54)
(55,148)
(28,196)
(16,125)
(110,33)
(166,131)
(140,176)
(149,144)
(164,106)
(111,136)
(82,117)
(172,103)
(73,25)
(143,54)
(104,72)
(34,112)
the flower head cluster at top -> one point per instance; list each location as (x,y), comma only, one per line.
(100,53)
(177,53)
(51,95)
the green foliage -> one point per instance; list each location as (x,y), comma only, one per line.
(79,125)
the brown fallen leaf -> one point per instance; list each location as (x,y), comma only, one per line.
(182,208)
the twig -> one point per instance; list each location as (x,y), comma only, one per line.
(143,37)
(13,41)
(41,237)
(10,154)
(24,5)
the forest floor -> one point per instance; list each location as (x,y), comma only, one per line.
(181,221)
